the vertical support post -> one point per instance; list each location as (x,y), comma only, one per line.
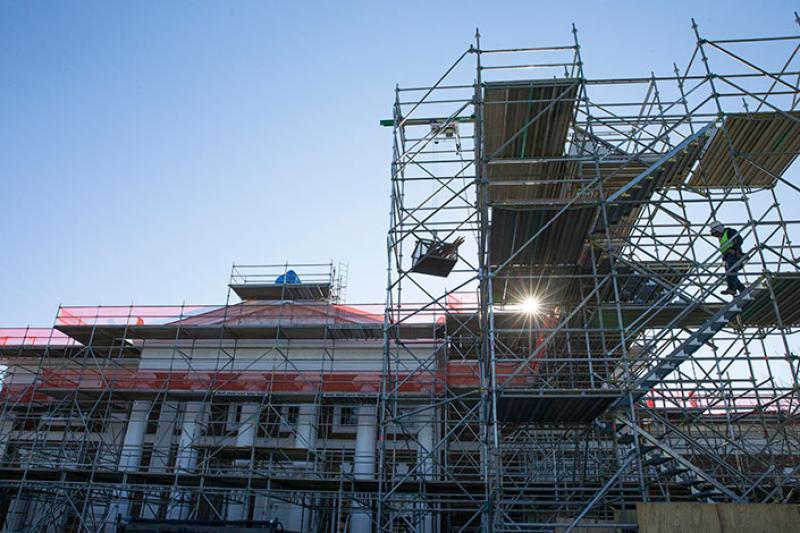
(487,382)
(390,337)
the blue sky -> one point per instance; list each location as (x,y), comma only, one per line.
(146,146)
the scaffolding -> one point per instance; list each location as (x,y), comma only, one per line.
(586,360)
(553,349)
(242,415)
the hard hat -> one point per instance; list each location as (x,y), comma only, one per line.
(716,226)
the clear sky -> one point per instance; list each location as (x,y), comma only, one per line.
(146,146)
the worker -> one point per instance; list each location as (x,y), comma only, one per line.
(730,246)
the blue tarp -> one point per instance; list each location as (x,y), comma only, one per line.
(289,278)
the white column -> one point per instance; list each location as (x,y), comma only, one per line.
(162,447)
(424,456)
(364,464)
(18,507)
(305,437)
(248,424)
(134,436)
(245,438)
(193,417)
(130,457)
(58,524)
(165,434)
(260,507)
(6,427)
(425,463)
(17,512)
(306,430)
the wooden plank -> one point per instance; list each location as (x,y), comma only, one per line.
(509,107)
(761,311)
(559,243)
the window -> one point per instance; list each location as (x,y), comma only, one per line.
(269,421)
(291,414)
(152,419)
(288,417)
(217,420)
(348,416)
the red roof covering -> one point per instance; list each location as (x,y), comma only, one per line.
(284,313)
(30,337)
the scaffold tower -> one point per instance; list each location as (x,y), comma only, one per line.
(555,230)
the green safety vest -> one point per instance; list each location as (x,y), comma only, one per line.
(725,243)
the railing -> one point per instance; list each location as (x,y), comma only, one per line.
(197,314)
(318,273)
(215,315)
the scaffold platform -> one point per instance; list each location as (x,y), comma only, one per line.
(553,407)
(765,144)
(282,291)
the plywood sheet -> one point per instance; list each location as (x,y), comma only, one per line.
(758,518)
(721,518)
(677,518)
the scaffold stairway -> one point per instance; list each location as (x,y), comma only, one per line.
(668,467)
(691,344)
(641,187)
